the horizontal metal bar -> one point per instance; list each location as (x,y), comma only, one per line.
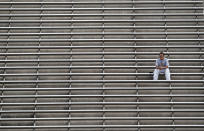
(95,96)
(105,110)
(101,21)
(81,47)
(105,88)
(101,53)
(106,33)
(99,15)
(95,74)
(102,126)
(101,81)
(107,2)
(96,67)
(98,40)
(101,103)
(97,60)
(95,9)
(102,118)
(103,27)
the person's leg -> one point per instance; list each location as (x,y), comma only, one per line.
(167,74)
(156,74)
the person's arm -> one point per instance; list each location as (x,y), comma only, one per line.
(163,67)
(157,65)
(167,65)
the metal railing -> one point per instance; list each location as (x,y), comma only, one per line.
(107,2)
(102,21)
(102,27)
(138,8)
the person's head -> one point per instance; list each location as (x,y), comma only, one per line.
(161,55)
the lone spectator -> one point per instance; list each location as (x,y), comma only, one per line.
(162,67)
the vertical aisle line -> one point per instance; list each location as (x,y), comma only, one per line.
(103,64)
(38,65)
(136,64)
(70,71)
(167,44)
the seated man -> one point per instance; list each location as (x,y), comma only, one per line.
(162,67)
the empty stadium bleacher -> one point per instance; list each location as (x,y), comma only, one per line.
(77,65)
